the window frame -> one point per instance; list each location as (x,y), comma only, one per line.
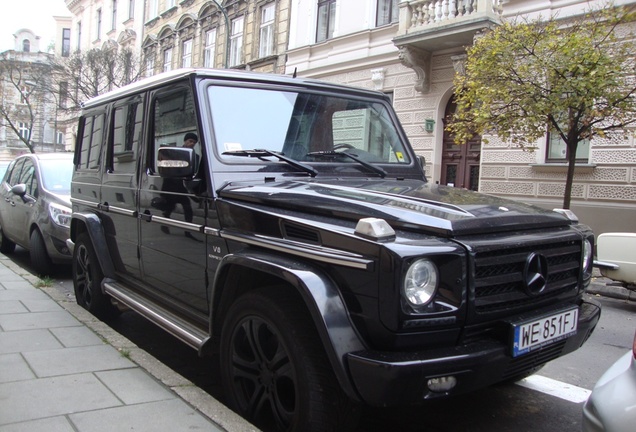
(186,53)
(66,42)
(330,17)
(266,31)
(167,59)
(390,11)
(209,49)
(236,40)
(583,146)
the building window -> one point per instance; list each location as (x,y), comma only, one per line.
(63,96)
(114,16)
(266,47)
(99,24)
(66,42)
(170,4)
(210,48)
(236,41)
(23,130)
(153,8)
(26,45)
(79,35)
(556,151)
(186,53)
(326,19)
(387,12)
(24,94)
(167,60)
(150,65)
(59,137)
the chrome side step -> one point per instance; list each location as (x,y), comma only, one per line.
(176,326)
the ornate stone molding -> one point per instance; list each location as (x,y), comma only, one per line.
(186,3)
(420,61)
(377,77)
(459,63)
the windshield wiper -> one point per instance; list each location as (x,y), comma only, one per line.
(260,153)
(330,153)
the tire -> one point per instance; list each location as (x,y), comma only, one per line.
(6,245)
(274,370)
(39,256)
(87,279)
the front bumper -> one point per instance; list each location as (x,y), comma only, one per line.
(398,378)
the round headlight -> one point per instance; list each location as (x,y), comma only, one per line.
(420,282)
(587,255)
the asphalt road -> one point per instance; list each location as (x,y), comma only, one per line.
(554,402)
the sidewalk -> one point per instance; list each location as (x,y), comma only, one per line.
(63,370)
(605,287)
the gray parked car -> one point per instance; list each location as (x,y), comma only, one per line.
(610,407)
(35,208)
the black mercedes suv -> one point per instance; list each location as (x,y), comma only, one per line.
(286,226)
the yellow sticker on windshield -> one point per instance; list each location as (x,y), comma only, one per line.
(400,156)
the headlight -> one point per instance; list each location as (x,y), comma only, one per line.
(587,255)
(61,215)
(420,283)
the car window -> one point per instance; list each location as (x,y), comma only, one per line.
(174,117)
(57,175)
(91,142)
(27,176)
(126,133)
(16,169)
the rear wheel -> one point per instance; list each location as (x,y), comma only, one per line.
(87,279)
(6,245)
(39,256)
(274,369)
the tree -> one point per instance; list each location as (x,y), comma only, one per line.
(571,77)
(25,80)
(86,74)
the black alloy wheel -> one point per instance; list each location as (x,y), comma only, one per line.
(274,369)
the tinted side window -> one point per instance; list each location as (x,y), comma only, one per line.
(127,126)
(27,176)
(174,117)
(14,178)
(91,141)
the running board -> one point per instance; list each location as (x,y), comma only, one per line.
(176,326)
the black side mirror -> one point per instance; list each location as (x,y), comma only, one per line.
(19,190)
(176,162)
(422,161)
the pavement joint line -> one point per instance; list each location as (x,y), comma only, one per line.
(200,400)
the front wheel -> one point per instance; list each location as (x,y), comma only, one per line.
(87,279)
(274,369)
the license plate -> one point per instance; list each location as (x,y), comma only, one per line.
(532,335)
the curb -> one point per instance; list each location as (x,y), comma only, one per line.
(184,388)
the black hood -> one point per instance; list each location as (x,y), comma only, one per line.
(404,204)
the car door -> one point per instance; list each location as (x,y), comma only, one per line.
(24,205)
(172,214)
(7,203)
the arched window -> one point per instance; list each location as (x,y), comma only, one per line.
(26,45)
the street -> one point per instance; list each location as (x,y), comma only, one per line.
(551,400)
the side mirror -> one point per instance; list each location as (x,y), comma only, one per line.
(19,190)
(176,162)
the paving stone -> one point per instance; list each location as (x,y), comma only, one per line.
(134,386)
(12,306)
(13,367)
(52,424)
(48,397)
(76,336)
(76,360)
(168,416)
(16,285)
(32,294)
(35,320)
(44,305)
(27,340)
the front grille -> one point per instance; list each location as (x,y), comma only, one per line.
(525,363)
(499,280)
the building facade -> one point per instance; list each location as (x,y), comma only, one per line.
(412,49)
(26,101)
(194,33)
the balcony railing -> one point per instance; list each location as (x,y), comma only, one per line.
(422,15)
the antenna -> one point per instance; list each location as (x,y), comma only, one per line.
(294,74)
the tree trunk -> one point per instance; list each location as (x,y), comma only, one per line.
(571,157)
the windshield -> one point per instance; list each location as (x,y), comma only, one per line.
(57,174)
(305,127)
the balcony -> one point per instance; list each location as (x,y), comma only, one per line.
(426,26)
(435,25)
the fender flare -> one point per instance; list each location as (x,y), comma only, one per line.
(321,297)
(95,230)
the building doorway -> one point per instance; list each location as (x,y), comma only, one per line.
(460,163)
